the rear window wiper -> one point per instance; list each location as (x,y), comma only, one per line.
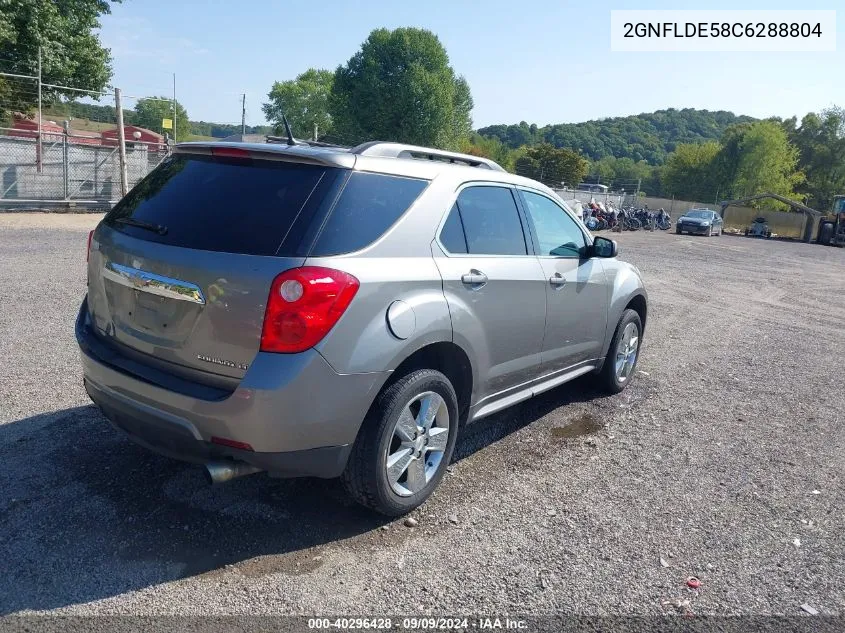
(148,226)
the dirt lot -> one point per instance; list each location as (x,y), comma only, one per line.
(724,461)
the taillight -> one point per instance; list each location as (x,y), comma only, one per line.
(225,441)
(304,304)
(229,152)
(88,252)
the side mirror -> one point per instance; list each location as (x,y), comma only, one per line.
(603,247)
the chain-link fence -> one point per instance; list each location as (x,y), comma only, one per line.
(55,148)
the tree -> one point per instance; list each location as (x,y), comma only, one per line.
(488,147)
(646,137)
(768,162)
(690,172)
(620,173)
(304,101)
(149,113)
(65,30)
(820,140)
(552,166)
(400,87)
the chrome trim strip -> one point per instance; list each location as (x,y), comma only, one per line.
(153,284)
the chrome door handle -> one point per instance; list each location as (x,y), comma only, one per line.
(474,278)
(557,279)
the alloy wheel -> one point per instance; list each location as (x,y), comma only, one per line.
(416,448)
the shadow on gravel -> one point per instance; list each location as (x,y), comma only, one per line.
(85,514)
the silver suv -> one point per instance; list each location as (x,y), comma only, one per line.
(313,311)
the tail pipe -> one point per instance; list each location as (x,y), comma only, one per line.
(221,471)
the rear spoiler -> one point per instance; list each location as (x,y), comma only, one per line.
(335,157)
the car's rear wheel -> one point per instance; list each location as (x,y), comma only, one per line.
(621,361)
(405,444)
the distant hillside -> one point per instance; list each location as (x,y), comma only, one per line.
(650,136)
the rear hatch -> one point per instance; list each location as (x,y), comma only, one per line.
(180,270)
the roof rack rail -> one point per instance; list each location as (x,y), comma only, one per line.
(384,149)
(283,140)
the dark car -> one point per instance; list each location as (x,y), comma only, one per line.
(700,221)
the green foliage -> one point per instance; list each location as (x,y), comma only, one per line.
(93,112)
(304,101)
(400,87)
(752,158)
(691,173)
(768,162)
(222,130)
(552,166)
(149,114)
(820,140)
(620,173)
(70,48)
(488,147)
(644,137)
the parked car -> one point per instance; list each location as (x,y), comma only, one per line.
(343,313)
(758,228)
(701,222)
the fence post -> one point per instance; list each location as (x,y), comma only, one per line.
(39,161)
(121,144)
(65,161)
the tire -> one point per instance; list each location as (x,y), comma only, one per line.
(366,475)
(679,231)
(609,379)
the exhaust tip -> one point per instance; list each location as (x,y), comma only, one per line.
(222,471)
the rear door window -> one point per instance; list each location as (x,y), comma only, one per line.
(369,205)
(491,221)
(452,235)
(221,204)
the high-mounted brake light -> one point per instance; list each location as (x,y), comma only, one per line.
(229,152)
(304,304)
(88,252)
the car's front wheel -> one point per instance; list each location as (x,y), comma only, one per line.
(405,444)
(621,360)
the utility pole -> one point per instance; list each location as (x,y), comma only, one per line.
(174,108)
(121,144)
(39,159)
(243,115)
(66,158)
(315,131)
(639,182)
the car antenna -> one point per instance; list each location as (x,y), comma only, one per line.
(291,140)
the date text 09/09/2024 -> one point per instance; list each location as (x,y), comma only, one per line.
(721,29)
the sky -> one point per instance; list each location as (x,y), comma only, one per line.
(525,60)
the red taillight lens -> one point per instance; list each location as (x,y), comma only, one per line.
(304,304)
(88,252)
(230,152)
(225,441)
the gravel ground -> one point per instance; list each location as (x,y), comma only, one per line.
(723,461)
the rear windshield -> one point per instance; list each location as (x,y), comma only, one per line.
(220,204)
(262,207)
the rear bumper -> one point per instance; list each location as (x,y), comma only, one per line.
(299,416)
